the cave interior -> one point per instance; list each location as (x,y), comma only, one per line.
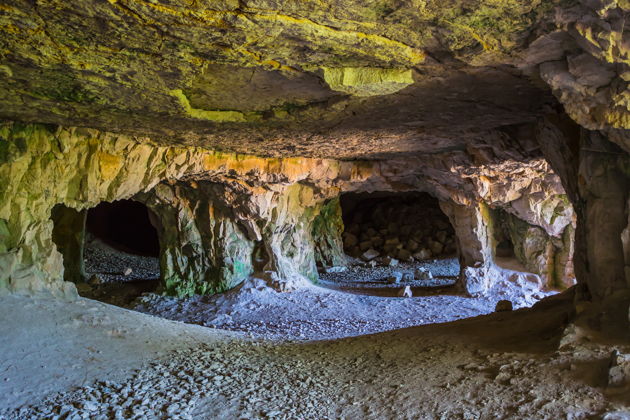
(237,195)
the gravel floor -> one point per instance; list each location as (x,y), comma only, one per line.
(311,313)
(110,264)
(318,313)
(360,276)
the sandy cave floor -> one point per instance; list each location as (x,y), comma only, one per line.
(89,360)
(318,352)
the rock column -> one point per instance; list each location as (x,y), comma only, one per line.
(69,235)
(204,250)
(596,176)
(473,230)
(326,232)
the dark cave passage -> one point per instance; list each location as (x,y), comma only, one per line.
(399,244)
(406,226)
(121,252)
(125,225)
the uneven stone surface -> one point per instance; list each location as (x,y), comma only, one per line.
(472,368)
(111,265)
(254,77)
(242,124)
(402,227)
(286,194)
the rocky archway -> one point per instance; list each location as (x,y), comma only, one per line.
(109,251)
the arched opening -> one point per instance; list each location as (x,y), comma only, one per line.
(505,233)
(126,225)
(505,248)
(260,258)
(397,240)
(121,252)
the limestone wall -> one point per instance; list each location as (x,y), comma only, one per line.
(219,206)
(597,180)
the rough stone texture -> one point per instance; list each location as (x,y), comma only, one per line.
(69,235)
(287,235)
(204,250)
(548,256)
(476,229)
(399,227)
(625,239)
(269,78)
(327,226)
(596,177)
(473,230)
(273,201)
(586,63)
(604,186)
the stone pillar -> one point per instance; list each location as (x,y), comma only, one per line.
(287,236)
(596,175)
(326,232)
(203,249)
(69,236)
(473,230)
(209,232)
(625,239)
(603,187)
(540,253)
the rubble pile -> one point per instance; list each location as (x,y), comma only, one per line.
(407,232)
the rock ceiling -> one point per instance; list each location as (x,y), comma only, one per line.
(343,78)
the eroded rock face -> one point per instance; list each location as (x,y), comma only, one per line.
(327,79)
(325,232)
(464,100)
(216,208)
(587,65)
(598,183)
(549,256)
(204,250)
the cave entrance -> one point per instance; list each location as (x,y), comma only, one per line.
(122,251)
(125,225)
(503,240)
(400,239)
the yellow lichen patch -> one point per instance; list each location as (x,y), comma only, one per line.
(367,81)
(202,114)
(290,168)
(257,20)
(241,164)
(316,30)
(6,70)
(109,165)
(295,167)
(245,164)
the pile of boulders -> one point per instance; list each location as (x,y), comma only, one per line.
(406,232)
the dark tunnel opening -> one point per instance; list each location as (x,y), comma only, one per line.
(125,225)
(407,226)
